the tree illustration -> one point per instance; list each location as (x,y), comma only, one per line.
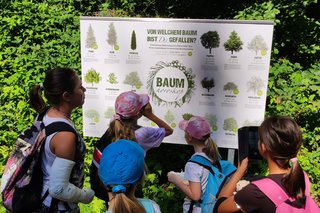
(133,40)
(257,43)
(254,84)
(112,78)
(109,112)
(210,40)
(133,80)
(92,76)
(112,36)
(230,87)
(212,119)
(234,43)
(207,83)
(91,39)
(187,116)
(93,115)
(230,124)
(169,117)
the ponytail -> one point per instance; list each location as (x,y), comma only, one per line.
(126,204)
(211,149)
(36,100)
(294,181)
(123,130)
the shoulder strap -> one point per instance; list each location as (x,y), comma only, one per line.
(59,126)
(202,161)
(272,190)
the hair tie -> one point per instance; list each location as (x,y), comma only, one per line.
(41,86)
(119,189)
(294,160)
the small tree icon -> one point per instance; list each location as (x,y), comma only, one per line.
(210,40)
(112,78)
(93,115)
(207,84)
(112,36)
(91,40)
(254,84)
(92,76)
(230,87)
(133,40)
(230,124)
(257,43)
(109,112)
(233,43)
(212,119)
(133,80)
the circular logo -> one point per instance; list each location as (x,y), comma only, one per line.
(171,83)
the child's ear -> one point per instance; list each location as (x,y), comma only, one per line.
(66,96)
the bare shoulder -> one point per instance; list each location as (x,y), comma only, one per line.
(63,145)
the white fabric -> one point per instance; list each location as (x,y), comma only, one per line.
(59,186)
(195,173)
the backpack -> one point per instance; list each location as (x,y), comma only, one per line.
(282,201)
(218,175)
(22,179)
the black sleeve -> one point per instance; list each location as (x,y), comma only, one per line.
(218,203)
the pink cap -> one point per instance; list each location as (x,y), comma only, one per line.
(198,127)
(128,104)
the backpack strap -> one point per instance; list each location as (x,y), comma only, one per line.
(206,163)
(272,190)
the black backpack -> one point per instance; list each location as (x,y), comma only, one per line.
(22,179)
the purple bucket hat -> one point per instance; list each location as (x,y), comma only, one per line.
(128,104)
(198,127)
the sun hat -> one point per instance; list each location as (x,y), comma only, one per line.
(122,164)
(198,127)
(128,104)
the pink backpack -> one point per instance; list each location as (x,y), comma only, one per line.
(279,197)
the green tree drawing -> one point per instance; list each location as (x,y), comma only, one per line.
(112,36)
(169,117)
(93,115)
(187,116)
(133,80)
(230,87)
(109,112)
(230,124)
(91,39)
(112,78)
(212,119)
(92,76)
(234,43)
(133,40)
(210,40)
(254,84)
(207,83)
(257,43)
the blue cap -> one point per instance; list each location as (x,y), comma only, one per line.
(122,163)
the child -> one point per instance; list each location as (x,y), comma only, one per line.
(129,107)
(121,168)
(197,134)
(280,141)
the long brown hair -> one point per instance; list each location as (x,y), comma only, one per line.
(283,138)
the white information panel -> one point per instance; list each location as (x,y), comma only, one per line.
(217,69)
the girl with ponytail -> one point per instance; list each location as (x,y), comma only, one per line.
(193,184)
(280,139)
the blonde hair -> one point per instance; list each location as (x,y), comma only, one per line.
(211,149)
(126,203)
(123,129)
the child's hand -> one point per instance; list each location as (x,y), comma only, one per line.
(146,110)
(174,177)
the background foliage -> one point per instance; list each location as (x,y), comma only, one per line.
(39,35)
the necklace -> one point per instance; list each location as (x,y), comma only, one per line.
(62,113)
